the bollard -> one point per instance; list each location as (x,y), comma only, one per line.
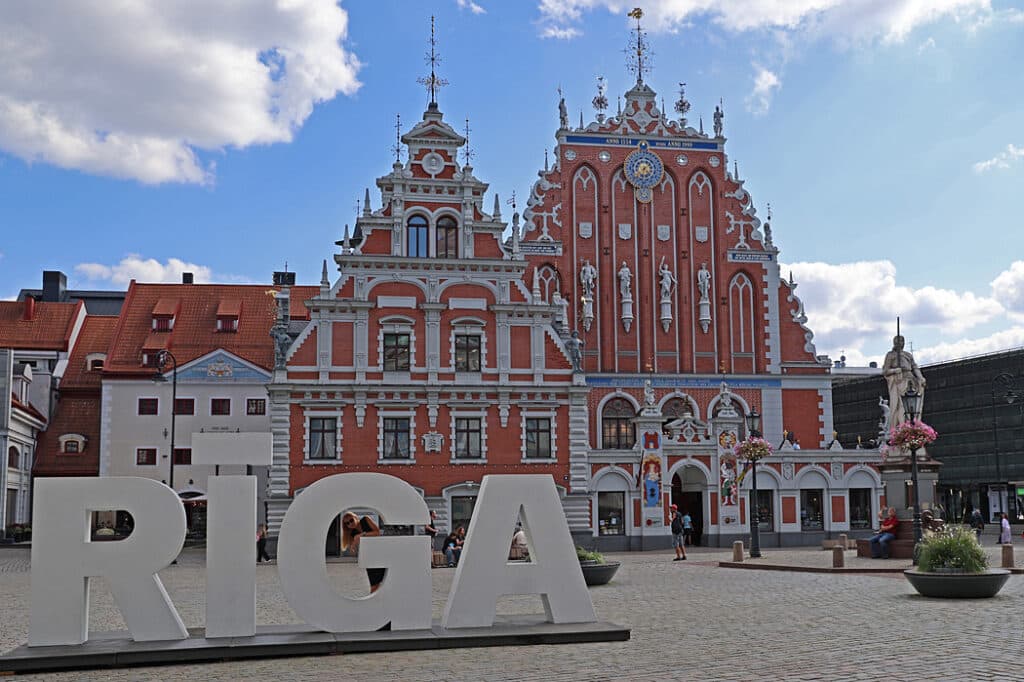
(1007,556)
(844,541)
(737,550)
(838,557)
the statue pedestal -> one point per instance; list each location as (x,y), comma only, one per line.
(896,480)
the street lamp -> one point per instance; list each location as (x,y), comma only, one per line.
(161,361)
(1003,385)
(754,431)
(912,409)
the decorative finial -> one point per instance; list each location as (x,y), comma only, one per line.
(719,115)
(432,82)
(397,148)
(358,206)
(497,207)
(638,51)
(324,281)
(512,202)
(366,202)
(581,119)
(545,159)
(467,152)
(768,227)
(618,100)
(600,102)
(345,246)
(682,105)
(701,119)
(735,170)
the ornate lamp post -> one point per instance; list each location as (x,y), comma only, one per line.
(159,377)
(912,409)
(754,431)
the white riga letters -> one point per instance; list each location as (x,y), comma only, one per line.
(64,559)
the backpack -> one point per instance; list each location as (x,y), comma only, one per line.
(677,524)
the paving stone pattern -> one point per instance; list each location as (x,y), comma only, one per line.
(690,620)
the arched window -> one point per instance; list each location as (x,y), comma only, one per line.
(741,323)
(617,430)
(13,457)
(549,282)
(416,237)
(447,238)
(674,409)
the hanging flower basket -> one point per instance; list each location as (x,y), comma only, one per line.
(912,435)
(753,449)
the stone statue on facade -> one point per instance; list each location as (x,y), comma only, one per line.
(562,318)
(900,372)
(575,347)
(282,341)
(563,115)
(719,115)
(704,281)
(668,280)
(625,280)
(883,423)
(649,399)
(588,277)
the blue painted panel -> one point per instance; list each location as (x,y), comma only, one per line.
(222,367)
(617,141)
(666,382)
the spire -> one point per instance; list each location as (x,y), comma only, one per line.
(638,51)
(432,82)
(545,159)
(618,101)
(345,247)
(600,102)
(325,283)
(701,119)
(497,207)
(768,228)
(366,202)
(536,286)
(736,171)
(682,105)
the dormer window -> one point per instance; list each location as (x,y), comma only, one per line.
(416,237)
(227,315)
(71,443)
(447,238)
(94,362)
(163,314)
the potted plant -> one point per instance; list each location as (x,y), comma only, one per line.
(596,570)
(951,564)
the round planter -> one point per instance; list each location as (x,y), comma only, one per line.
(598,574)
(958,585)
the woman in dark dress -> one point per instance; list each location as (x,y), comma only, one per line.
(353,529)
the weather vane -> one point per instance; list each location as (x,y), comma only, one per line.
(682,105)
(601,101)
(467,152)
(638,51)
(512,202)
(432,82)
(397,148)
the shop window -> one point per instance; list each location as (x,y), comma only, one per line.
(468,441)
(860,508)
(467,353)
(812,510)
(149,406)
(220,407)
(538,438)
(396,438)
(396,352)
(447,238)
(322,437)
(256,406)
(145,456)
(765,510)
(416,237)
(611,513)
(617,430)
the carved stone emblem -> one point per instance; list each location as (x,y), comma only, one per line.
(586,230)
(625,230)
(219,369)
(787,471)
(837,470)
(701,233)
(664,232)
(432,442)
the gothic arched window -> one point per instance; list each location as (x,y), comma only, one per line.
(549,282)
(617,430)
(447,238)
(416,237)
(675,408)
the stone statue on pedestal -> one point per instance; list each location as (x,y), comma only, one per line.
(900,372)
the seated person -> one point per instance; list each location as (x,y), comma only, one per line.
(452,548)
(886,534)
(519,548)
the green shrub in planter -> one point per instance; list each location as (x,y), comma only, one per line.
(587,555)
(953,550)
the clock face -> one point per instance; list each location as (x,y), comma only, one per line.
(643,168)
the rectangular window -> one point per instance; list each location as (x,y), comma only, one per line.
(467,353)
(162,324)
(396,438)
(145,456)
(462,511)
(220,407)
(185,406)
(860,508)
(323,438)
(13,461)
(617,433)
(182,455)
(149,406)
(812,510)
(467,438)
(611,516)
(538,438)
(765,513)
(71,447)
(396,352)
(256,406)
(96,365)
(227,324)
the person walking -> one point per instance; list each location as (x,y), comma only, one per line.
(687,528)
(677,534)
(977,523)
(1004,530)
(261,544)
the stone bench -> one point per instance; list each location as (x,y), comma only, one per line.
(900,548)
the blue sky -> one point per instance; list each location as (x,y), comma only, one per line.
(887,137)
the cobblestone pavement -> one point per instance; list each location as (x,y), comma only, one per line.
(690,620)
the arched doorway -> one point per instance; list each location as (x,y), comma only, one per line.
(689,486)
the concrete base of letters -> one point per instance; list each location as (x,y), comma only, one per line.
(117,650)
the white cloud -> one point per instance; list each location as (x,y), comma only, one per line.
(1001,160)
(560,33)
(471,6)
(1008,287)
(142,269)
(138,90)
(766,83)
(845,21)
(926,45)
(999,341)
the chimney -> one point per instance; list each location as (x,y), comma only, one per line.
(187,278)
(30,308)
(55,285)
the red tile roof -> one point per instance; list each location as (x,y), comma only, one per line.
(94,338)
(49,329)
(195,324)
(79,415)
